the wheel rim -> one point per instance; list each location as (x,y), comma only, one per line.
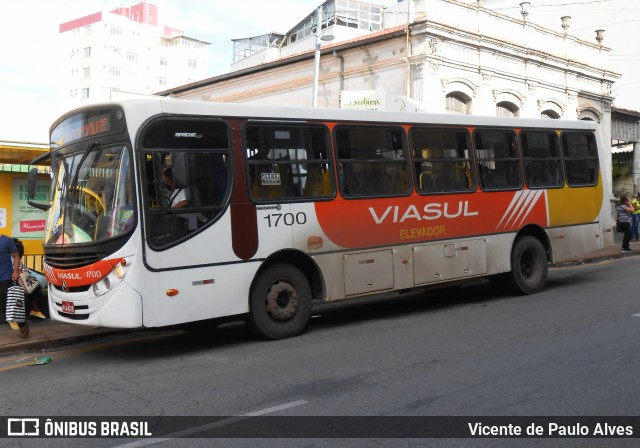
(281,301)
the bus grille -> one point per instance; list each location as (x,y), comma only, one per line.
(71,289)
(74,316)
(72,260)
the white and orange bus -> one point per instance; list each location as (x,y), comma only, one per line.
(285,208)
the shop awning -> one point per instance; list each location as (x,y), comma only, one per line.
(21,153)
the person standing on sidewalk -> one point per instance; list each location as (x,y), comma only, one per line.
(635,217)
(35,297)
(625,210)
(9,273)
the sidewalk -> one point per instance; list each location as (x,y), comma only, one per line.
(606,253)
(47,333)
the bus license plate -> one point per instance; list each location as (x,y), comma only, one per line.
(68,307)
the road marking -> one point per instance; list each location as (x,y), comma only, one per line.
(635,315)
(276,408)
(217,424)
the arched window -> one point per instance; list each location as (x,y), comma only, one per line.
(589,114)
(551,109)
(550,114)
(507,109)
(458,103)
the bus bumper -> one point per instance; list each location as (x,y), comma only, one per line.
(122,308)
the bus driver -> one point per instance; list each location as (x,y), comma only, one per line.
(177,197)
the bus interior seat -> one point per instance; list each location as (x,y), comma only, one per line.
(427,182)
(314,186)
(326,182)
(369,179)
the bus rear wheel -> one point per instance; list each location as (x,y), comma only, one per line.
(529,267)
(280,302)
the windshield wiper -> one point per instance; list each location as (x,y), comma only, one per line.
(91,145)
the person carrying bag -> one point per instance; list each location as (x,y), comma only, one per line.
(624,221)
(29,282)
(9,276)
(31,285)
(16,307)
(16,312)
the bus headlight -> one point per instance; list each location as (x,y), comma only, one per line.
(102,286)
(112,279)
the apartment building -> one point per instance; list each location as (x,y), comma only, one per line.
(127,51)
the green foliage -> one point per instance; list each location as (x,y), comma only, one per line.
(620,170)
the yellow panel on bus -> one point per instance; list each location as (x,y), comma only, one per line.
(574,205)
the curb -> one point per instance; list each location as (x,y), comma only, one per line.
(596,259)
(56,341)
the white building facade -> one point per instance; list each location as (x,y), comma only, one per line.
(432,55)
(449,55)
(126,51)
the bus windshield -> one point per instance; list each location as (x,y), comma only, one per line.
(93,196)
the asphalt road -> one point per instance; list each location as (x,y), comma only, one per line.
(571,350)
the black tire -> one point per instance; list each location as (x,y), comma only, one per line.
(529,266)
(280,302)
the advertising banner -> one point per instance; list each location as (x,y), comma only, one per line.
(28,221)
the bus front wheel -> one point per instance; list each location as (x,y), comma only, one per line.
(529,267)
(280,302)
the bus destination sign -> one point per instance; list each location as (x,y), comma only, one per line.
(83,125)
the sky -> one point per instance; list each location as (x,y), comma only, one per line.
(29,100)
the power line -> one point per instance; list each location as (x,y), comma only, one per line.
(556,5)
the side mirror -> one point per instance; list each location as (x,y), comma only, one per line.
(32,184)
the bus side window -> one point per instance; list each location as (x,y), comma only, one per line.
(580,158)
(187,178)
(372,161)
(542,164)
(287,162)
(498,160)
(442,160)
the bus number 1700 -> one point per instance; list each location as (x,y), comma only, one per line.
(287,219)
